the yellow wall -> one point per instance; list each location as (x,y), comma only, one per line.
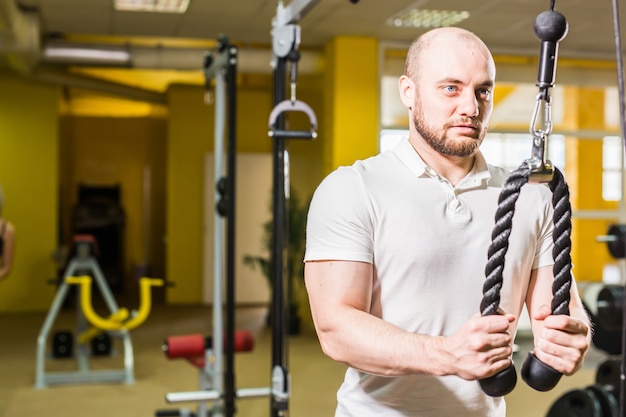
(190,137)
(352,101)
(583,170)
(28,174)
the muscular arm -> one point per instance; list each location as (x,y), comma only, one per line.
(340,296)
(560,341)
(6,260)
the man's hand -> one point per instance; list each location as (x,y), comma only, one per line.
(481,348)
(563,341)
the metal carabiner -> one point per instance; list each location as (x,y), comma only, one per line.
(542,169)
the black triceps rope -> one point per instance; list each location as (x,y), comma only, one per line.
(535,373)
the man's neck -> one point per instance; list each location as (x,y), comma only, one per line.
(452,168)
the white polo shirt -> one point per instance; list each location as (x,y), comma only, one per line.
(428,242)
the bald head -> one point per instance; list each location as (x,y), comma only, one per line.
(437,40)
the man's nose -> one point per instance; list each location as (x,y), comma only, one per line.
(468,105)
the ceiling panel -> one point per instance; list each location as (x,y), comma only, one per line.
(504,25)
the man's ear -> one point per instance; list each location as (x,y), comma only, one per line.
(406,87)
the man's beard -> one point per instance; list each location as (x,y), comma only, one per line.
(440,142)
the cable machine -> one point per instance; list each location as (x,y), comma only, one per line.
(285,42)
(218,376)
(550,28)
(601,399)
(606,398)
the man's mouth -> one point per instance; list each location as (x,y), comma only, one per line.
(468,129)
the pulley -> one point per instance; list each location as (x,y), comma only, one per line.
(550,28)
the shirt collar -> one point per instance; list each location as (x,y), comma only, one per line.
(412,160)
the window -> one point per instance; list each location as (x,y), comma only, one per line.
(389,138)
(506,150)
(509,150)
(612,163)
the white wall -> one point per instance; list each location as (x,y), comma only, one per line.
(253,198)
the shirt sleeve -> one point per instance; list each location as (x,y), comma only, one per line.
(339,222)
(545,241)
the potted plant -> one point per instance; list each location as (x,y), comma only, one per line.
(296,213)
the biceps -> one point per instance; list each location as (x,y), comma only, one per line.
(333,285)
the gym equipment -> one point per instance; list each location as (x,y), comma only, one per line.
(218,382)
(285,44)
(117,325)
(608,373)
(604,338)
(550,27)
(198,351)
(285,41)
(592,401)
(606,398)
(289,106)
(615,240)
(101,345)
(597,400)
(62,344)
(121,319)
(99,213)
(610,306)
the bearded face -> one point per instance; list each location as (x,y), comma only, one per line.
(458,137)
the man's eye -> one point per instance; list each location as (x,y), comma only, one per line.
(450,88)
(485,93)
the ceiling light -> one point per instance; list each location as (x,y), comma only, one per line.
(162,6)
(422,18)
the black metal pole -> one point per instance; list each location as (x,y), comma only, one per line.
(229,369)
(278,312)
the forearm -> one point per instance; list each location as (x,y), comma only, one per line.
(340,295)
(577,310)
(372,345)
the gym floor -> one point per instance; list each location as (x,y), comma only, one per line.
(314,378)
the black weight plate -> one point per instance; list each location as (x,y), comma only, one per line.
(610,306)
(608,373)
(576,403)
(617,248)
(608,402)
(62,344)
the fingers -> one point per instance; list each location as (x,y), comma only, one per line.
(563,343)
(482,347)
(566,324)
(566,360)
(497,345)
(498,322)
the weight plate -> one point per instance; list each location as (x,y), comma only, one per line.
(608,403)
(608,373)
(576,403)
(617,248)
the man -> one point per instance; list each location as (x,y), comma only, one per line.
(397,246)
